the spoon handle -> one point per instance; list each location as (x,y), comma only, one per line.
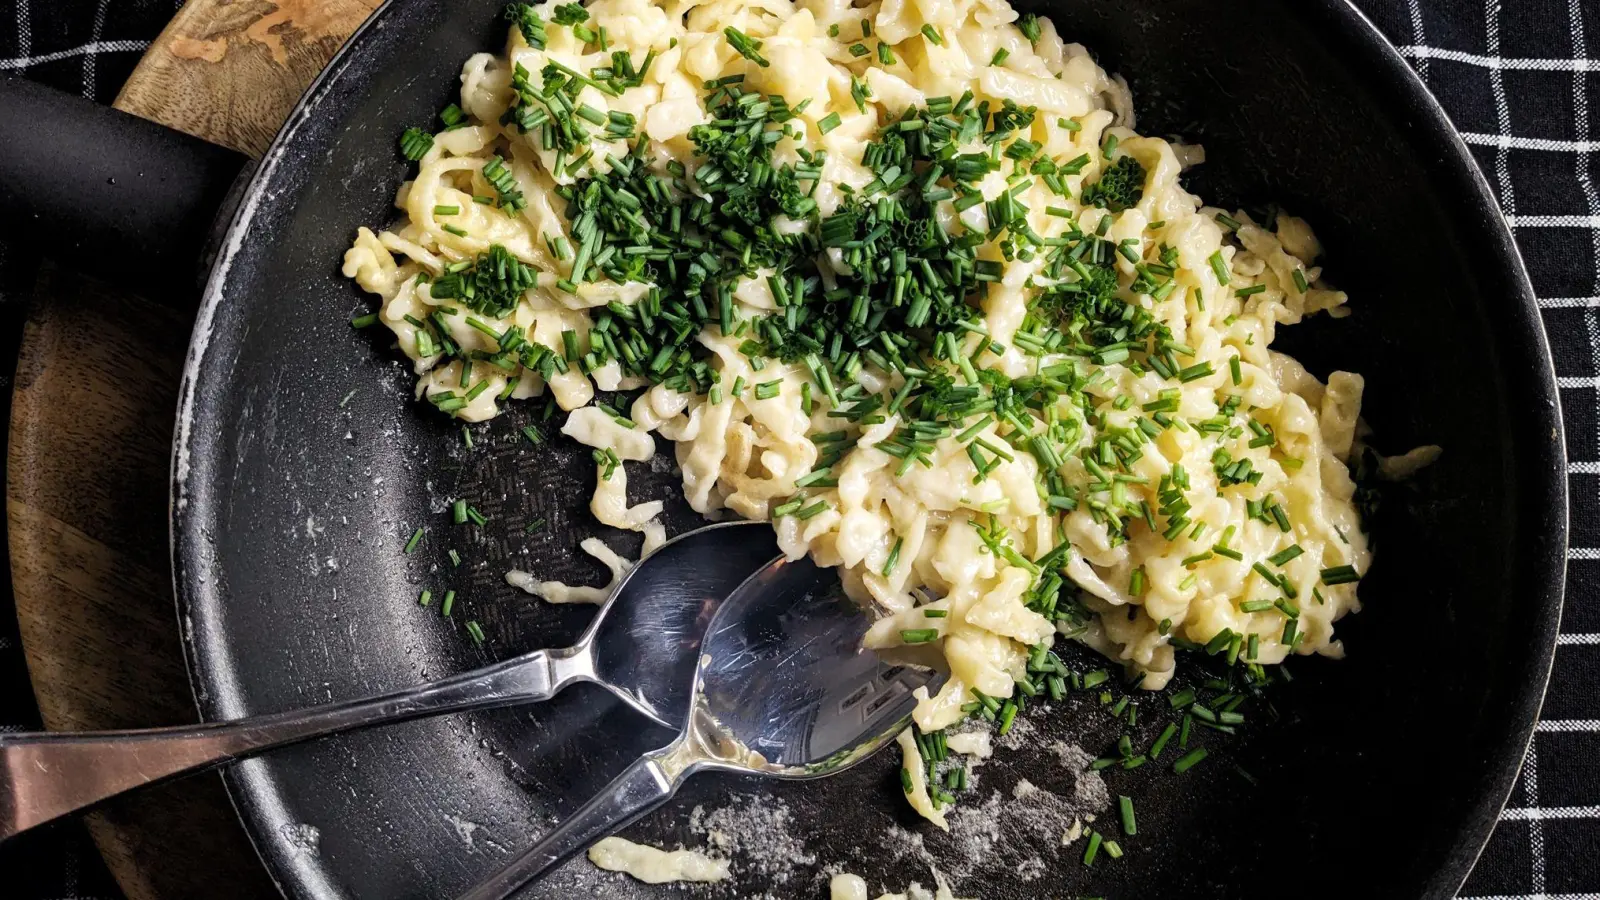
(642,787)
(46,775)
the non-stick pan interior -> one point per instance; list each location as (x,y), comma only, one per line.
(303,466)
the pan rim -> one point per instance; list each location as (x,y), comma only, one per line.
(205,655)
(1405,98)
(1552,487)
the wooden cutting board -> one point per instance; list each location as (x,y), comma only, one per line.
(91,425)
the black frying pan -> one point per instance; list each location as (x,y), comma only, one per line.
(291,501)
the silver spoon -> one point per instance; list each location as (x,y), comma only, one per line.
(784,689)
(642,645)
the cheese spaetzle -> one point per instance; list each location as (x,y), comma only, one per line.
(901,278)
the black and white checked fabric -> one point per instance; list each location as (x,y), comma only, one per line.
(1518,78)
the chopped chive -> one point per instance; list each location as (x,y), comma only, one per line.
(1161,742)
(1340,575)
(1219,267)
(1093,849)
(1285,555)
(1028,24)
(746,46)
(416,538)
(1008,715)
(894,557)
(415,143)
(811,510)
(918,635)
(1189,760)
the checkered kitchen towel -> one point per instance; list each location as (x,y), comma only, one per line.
(1517,77)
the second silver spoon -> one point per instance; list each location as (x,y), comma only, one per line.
(784,689)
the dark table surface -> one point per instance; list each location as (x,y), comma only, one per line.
(1517,78)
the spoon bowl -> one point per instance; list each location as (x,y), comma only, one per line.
(783,675)
(784,689)
(642,645)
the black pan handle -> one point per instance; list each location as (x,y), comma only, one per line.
(109,193)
